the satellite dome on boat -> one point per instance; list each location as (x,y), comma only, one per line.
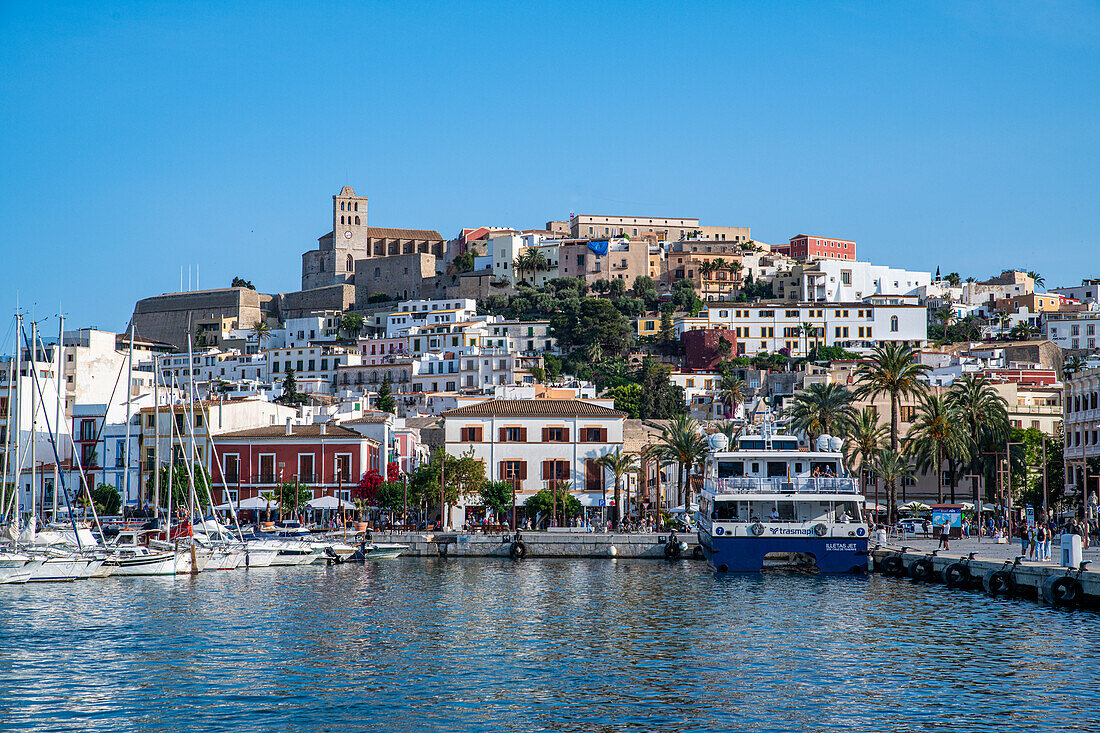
(835,444)
(718,442)
(822,444)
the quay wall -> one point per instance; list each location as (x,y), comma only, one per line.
(539,544)
(1029,577)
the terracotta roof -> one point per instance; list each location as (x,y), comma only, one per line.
(298,431)
(533,408)
(382,232)
(378,417)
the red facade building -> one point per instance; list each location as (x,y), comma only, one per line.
(330,459)
(703,347)
(811,246)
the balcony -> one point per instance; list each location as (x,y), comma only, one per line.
(265,478)
(782,485)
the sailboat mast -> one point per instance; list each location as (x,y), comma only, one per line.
(156,436)
(18,468)
(129,414)
(60,386)
(34,420)
(8,438)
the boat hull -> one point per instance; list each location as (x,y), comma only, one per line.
(753,554)
(141,565)
(58,570)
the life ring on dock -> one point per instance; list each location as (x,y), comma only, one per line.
(892,565)
(1062,591)
(518,550)
(820,530)
(921,570)
(697,553)
(672,550)
(757,529)
(956,575)
(999,583)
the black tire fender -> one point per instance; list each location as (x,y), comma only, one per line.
(672,550)
(999,583)
(757,529)
(892,565)
(1062,591)
(921,569)
(518,550)
(820,530)
(956,575)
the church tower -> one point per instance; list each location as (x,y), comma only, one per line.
(349,223)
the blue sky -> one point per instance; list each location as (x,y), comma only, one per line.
(139,137)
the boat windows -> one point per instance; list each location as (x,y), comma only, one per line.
(777,469)
(784,443)
(851,508)
(755,469)
(725,511)
(799,467)
(786,510)
(730,469)
(751,444)
(823,468)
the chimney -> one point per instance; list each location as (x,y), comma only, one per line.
(289,429)
(323,428)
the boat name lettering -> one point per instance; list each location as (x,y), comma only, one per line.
(840,547)
(791,531)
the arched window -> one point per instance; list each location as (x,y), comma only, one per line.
(351,263)
(357,207)
(894,324)
(322,264)
(357,220)
(341,206)
(341,220)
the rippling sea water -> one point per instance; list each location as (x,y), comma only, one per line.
(582,645)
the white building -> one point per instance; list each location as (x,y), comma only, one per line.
(1072,331)
(842,281)
(1082,425)
(539,444)
(1087,292)
(504,249)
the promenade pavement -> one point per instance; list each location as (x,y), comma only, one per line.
(987,549)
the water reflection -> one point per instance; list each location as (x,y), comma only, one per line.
(539,645)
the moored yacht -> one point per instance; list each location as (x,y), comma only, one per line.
(770,504)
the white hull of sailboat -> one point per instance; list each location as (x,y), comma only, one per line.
(261,558)
(58,570)
(192,561)
(14,576)
(154,563)
(93,567)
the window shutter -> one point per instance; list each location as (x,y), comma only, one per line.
(565,435)
(545,434)
(523,435)
(547,469)
(479,434)
(501,475)
(522,471)
(502,435)
(603,435)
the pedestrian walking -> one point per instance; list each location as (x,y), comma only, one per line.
(1023,539)
(1032,541)
(945,535)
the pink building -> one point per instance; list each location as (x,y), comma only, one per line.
(374,350)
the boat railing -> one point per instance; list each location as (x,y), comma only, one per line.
(782,485)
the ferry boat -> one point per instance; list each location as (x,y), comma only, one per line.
(769,504)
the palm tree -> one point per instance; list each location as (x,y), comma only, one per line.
(865,439)
(659,455)
(892,370)
(530,260)
(619,464)
(983,414)
(732,391)
(810,331)
(683,445)
(1038,279)
(1072,365)
(937,434)
(821,409)
(953,279)
(945,315)
(891,467)
(730,429)
(705,270)
(261,331)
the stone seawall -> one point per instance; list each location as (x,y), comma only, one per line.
(539,544)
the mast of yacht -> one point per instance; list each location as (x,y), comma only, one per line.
(18,468)
(156,439)
(216,460)
(60,386)
(33,353)
(192,498)
(129,413)
(4,498)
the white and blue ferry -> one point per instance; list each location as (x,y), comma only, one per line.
(771,504)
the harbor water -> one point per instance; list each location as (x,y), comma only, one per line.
(562,645)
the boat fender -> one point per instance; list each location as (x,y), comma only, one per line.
(518,550)
(1062,591)
(956,575)
(892,565)
(757,529)
(672,550)
(999,583)
(921,569)
(820,530)
(697,553)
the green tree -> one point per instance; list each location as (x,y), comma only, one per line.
(553,365)
(984,415)
(892,370)
(546,502)
(822,409)
(240,282)
(107,499)
(668,332)
(261,331)
(385,401)
(290,395)
(660,399)
(292,495)
(892,468)
(531,261)
(1040,281)
(732,391)
(181,484)
(497,496)
(351,324)
(683,445)
(865,439)
(619,464)
(953,279)
(465,261)
(937,435)
(628,399)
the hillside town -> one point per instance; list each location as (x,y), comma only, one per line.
(582,358)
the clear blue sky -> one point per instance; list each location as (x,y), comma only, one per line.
(139,137)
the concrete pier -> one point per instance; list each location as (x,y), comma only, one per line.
(1028,576)
(648,545)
